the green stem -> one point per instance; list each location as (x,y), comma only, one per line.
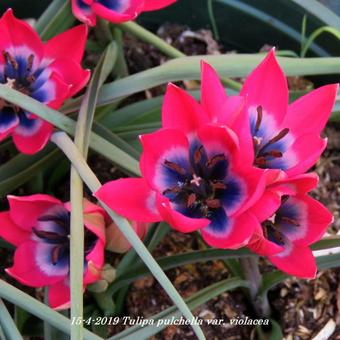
(70,150)
(7,323)
(76,253)
(212,20)
(25,301)
(145,35)
(121,67)
(252,274)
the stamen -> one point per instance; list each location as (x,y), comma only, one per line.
(56,254)
(284,199)
(275,153)
(10,60)
(279,136)
(173,166)
(173,190)
(259,118)
(48,235)
(214,160)
(198,154)
(218,185)
(213,203)
(260,161)
(30,61)
(191,200)
(30,79)
(290,221)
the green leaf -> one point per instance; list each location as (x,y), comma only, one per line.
(7,323)
(88,107)
(325,29)
(320,11)
(25,301)
(57,18)
(82,141)
(326,243)
(65,123)
(22,168)
(230,65)
(196,300)
(169,262)
(275,332)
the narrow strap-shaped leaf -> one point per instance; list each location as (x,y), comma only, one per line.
(230,65)
(7,323)
(174,261)
(57,18)
(82,141)
(67,124)
(25,301)
(194,301)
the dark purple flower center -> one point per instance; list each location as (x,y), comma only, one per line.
(281,223)
(267,149)
(18,75)
(200,186)
(57,234)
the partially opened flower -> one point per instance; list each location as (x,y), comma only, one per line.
(285,137)
(194,177)
(39,226)
(117,242)
(49,73)
(116,11)
(292,221)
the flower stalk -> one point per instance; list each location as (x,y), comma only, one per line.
(252,274)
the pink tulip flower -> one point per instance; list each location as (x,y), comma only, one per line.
(290,223)
(39,226)
(48,72)
(116,11)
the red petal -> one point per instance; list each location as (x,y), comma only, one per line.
(296,261)
(181,111)
(153,5)
(86,16)
(25,210)
(177,220)
(164,144)
(30,141)
(314,107)
(213,95)
(10,232)
(59,295)
(69,44)
(130,197)
(267,86)
(20,37)
(32,266)
(237,234)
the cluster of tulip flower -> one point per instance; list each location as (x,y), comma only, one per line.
(231,167)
